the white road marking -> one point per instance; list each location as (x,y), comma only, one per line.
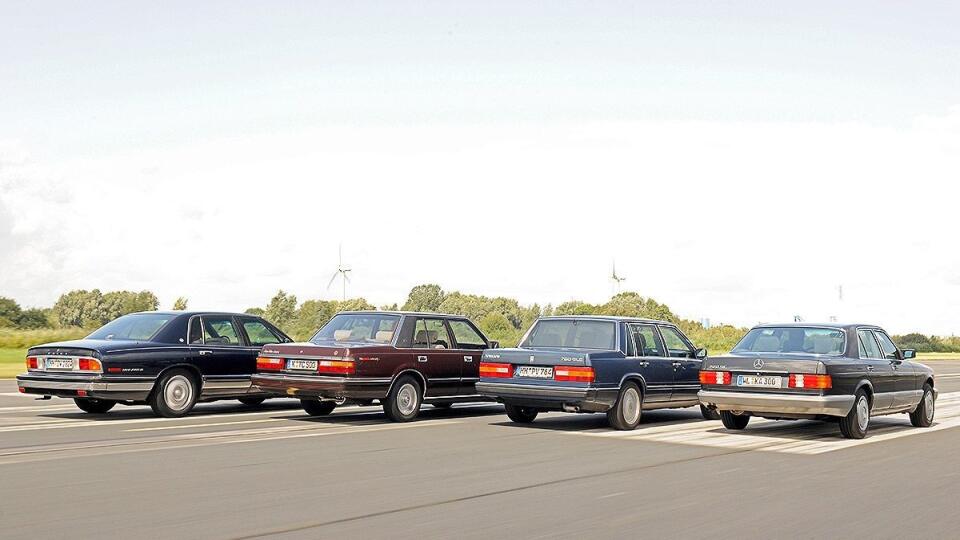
(93,422)
(190,426)
(192,440)
(791,437)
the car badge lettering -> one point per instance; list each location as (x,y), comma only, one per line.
(758,363)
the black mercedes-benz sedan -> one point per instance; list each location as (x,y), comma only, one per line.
(845,372)
(169,360)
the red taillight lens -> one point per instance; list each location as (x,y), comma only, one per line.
(490,369)
(573,374)
(339,367)
(715,377)
(811,381)
(269,364)
(89,364)
(31,362)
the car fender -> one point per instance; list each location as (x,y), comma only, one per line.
(636,377)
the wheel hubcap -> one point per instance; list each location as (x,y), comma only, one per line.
(407,399)
(863,413)
(928,405)
(178,392)
(631,406)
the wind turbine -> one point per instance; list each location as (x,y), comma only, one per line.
(616,279)
(342,272)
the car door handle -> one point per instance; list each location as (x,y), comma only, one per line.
(677,364)
(204,353)
(644,363)
(869,368)
(421,359)
(468,359)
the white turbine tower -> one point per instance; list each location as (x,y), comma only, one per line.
(617,280)
(342,272)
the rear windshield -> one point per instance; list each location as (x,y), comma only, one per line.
(359,328)
(134,327)
(793,340)
(573,334)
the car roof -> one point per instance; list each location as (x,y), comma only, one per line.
(613,318)
(192,313)
(401,312)
(837,325)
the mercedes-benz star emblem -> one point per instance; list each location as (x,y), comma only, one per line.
(758,363)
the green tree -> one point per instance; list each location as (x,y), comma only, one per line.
(576,307)
(118,303)
(497,327)
(180,304)
(426,297)
(33,318)
(9,311)
(79,308)
(255,311)
(281,310)
(631,304)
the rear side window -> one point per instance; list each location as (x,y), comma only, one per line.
(645,340)
(466,336)
(868,346)
(219,331)
(258,333)
(431,334)
(572,333)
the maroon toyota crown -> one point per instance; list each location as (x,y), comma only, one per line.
(402,359)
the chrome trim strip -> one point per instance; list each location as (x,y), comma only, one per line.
(320,378)
(87,386)
(500,389)
(777,403)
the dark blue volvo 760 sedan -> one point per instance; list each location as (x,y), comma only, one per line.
(615,365)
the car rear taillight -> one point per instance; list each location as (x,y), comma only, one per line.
(573,374)
(32,362)
(338,367)
(811,381)
(89,364)
(265,363)
(494,370)
(715,377)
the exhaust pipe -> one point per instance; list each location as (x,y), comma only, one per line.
(570,408)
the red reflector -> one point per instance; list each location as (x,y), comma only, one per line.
(115,370)
(31,362)
(82,393)
(715,377)
(498,371)
(265,363)
(573,374)
(89,364)
(809,380)
(339,367)
(22,390)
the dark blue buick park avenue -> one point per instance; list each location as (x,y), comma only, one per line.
(169,360)
(616,365)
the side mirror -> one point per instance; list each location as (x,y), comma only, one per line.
(494,344)
(701,353)
(909,354)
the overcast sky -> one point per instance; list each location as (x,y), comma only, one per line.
(739,161)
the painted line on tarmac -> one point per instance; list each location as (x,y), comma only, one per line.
(211,424)
(93,422)
(790,437)
(194,440)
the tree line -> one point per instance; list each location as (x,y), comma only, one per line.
(502,319)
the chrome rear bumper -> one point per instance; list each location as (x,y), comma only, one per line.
(756,402)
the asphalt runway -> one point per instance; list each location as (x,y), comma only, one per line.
(230,471)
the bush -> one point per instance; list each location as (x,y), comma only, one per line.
(22,339)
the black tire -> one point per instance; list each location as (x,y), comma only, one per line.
(626,412)
(175,394)
(317,408)
(94,406)
(521,415)
(734,421)
(855,424)
(404,400)
(923,416)
(252,401)
(708,413)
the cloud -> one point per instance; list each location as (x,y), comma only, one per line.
(738,222)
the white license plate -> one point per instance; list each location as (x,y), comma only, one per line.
(305,365)
(535,372)
(761,381)
(59,363)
